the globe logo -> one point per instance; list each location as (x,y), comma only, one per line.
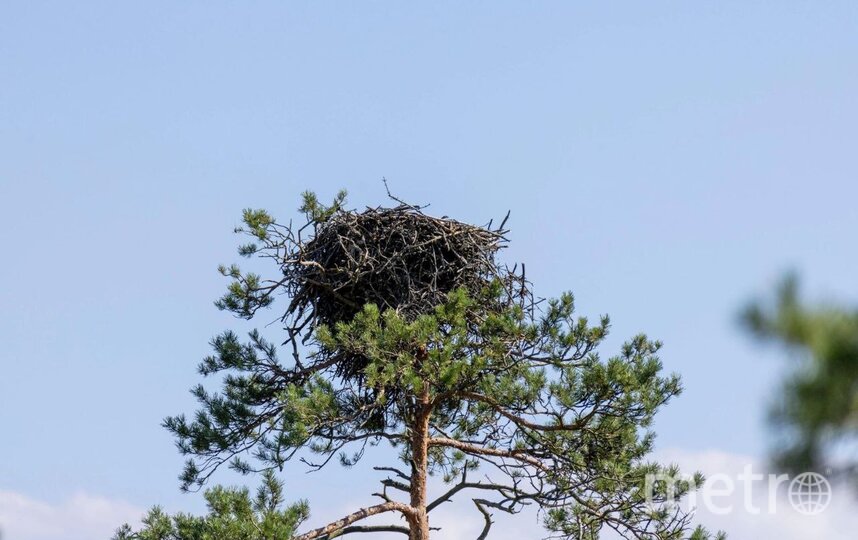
(809,493)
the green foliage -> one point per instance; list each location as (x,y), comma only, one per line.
(515,387)
(818,405)
(233,515)
(315,211)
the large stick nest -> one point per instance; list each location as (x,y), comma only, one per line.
(396,258)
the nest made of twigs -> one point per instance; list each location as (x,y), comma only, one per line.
(396,258)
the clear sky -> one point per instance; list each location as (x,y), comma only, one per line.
(665,161)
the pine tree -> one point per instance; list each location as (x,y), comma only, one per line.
(233,515)
(817,407)
(402,330)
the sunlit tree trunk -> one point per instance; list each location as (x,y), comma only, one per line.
(419,525)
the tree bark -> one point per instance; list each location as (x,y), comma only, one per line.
(419,523)
(357,516)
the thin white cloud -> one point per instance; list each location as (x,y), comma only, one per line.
(86,517)
(838,521)
(80,517)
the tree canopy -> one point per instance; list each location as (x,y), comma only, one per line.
(233,515)
(403,329)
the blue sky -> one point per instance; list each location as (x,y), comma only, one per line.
(665,161)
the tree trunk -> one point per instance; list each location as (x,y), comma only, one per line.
(419,526)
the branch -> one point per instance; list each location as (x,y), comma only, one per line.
(333,527)
(367,529)
(523,422)
(394,470)
(488,517)
(503,490)
(473,449)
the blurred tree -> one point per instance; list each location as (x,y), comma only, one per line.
(816,412)
(233,515)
